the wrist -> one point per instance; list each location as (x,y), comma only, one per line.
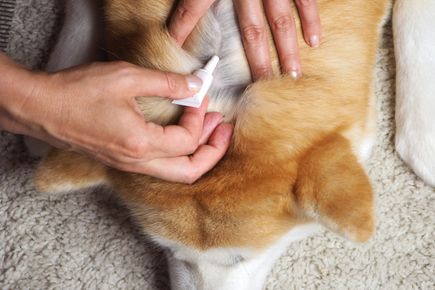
(18,93)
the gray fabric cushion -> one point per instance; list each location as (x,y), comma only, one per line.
(6,12)
(33,30)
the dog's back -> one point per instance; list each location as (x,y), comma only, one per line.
(144,40)
(298,145)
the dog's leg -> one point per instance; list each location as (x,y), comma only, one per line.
(333,188)
(64,171)
(415,97)
(78,43)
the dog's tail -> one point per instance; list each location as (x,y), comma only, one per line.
(65,171)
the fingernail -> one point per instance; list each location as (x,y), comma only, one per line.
(295,74)
(314,41)
(194,83)
(221,120)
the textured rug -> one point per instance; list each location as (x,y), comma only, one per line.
(86,240)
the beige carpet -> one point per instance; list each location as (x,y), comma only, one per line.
(86,240)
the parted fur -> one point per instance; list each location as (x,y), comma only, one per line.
(298,146)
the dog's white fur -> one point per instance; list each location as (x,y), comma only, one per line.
(227,268)
(238,268)
(414,39)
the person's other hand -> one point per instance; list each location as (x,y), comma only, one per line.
(92,109)
(254,30)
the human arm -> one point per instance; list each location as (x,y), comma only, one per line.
(92,109)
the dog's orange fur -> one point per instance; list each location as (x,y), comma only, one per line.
(293,153)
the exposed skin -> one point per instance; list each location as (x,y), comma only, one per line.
(253,27)
(92,110)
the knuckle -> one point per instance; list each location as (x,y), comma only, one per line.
(124,82)
(126,73)
(191,147)
(172,83)
(136,147)
(191,175)
(253,34)
(185,14)
(123,65)
(305,3)
(283,24)
(262,71)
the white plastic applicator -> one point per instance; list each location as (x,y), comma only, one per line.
(206,75)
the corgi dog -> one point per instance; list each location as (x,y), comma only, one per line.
(296,159)
(414,42)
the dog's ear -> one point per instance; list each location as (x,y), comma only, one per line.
(333,188)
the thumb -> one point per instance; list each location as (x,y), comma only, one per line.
(164,84)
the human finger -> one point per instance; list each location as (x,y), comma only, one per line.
(254,36)
(310,21)
(150,141)
(183,138)
(283,28)
(124,161)
(211,121)
(185,17)
(188,169)
(146,82)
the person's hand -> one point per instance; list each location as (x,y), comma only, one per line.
(254,30)
(92,109)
